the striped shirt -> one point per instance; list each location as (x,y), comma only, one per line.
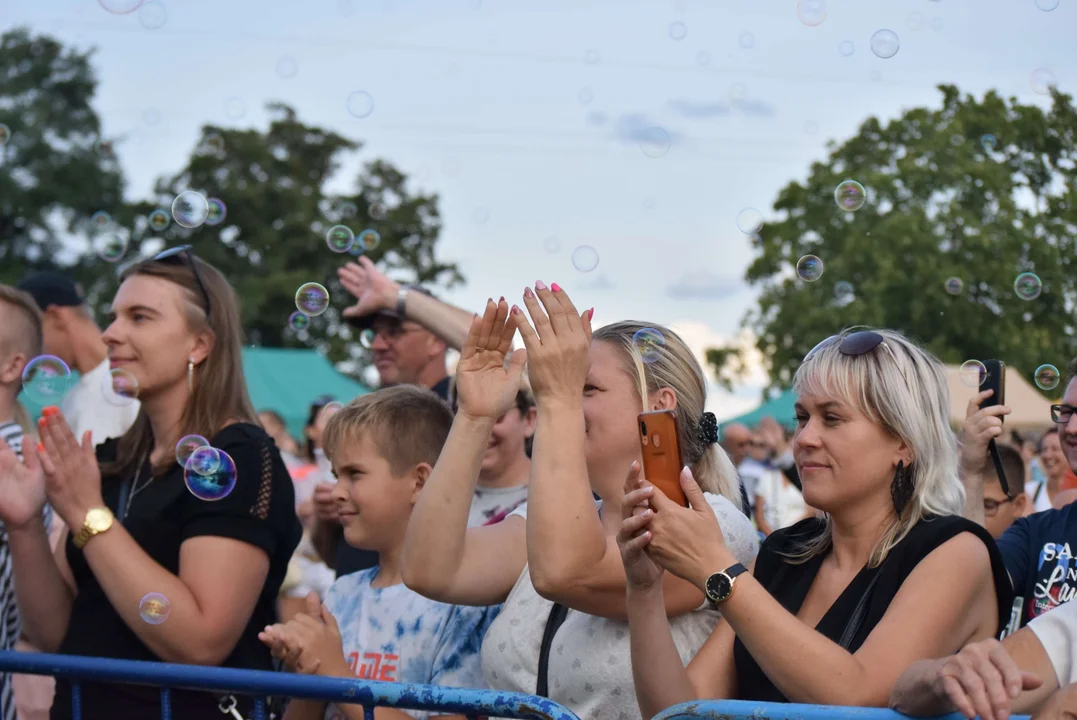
(10,627)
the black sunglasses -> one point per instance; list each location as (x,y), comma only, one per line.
(183,255)
(854,344)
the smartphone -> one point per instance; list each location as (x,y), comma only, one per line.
(662,462)
(994,379)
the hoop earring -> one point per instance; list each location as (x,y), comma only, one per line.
(901,487)
(190,376)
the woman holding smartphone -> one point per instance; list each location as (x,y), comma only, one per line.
(823,616)
(561,546)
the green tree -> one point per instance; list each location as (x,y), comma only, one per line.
(272,240)
(55,170)
(978,190)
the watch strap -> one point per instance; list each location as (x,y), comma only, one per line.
(734,570)
(87,531)
(402,302)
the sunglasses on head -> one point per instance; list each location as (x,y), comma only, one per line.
(182,255)
(854,344)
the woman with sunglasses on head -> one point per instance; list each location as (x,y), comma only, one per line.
(150,570)
(560,546)
(834,609)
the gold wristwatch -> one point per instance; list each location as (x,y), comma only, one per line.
(98,520)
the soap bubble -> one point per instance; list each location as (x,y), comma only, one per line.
(811,12)
(187,445)
(159,219)
(746,40)
(287,67)
(843,290)
(972,373)
(649,343)
(1028,286)
(214,485)
(235,108)
(954,285)
(153,15)
(120,7)
(5,134)
(1047,5)
(366,338)
(885,44)
(656,142)
(1047,377)
(988,142)
(312,299)
(846,48)
(190,209)
(120,387)
(204,461)
(369,239)
(678,31)
(377,211)
(216,212)
(1043,81)
(100,220)
(110,246)
(585,258)
(360,104)
(809,268)
(154,608)
(46,379)
(750,221)
(850,195)
(298,321)
(340,238)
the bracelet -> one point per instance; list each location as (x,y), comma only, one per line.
(402,302)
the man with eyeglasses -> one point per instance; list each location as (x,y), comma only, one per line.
(1039,549)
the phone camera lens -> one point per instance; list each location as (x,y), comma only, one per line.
(643,428)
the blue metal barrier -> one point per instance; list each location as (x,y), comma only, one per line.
(748,710)
(262,684)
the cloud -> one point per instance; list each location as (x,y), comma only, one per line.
(597,118)
(707,110)
(748,395)
(636,128)
(703,286)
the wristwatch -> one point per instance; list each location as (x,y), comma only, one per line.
(719,586)
(402,301)
(98,520)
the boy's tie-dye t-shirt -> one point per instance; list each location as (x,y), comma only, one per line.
(396,635)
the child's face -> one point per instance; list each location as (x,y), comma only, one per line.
(374,505)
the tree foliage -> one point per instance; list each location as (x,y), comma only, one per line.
(979,190)
(54,173)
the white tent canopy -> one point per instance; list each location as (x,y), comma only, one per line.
(1031,410)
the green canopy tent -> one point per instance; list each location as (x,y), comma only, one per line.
(288,380)
(779,408)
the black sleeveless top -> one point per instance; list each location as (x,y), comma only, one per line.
(789,585)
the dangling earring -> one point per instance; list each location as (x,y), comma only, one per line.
(901,487)
(190,376)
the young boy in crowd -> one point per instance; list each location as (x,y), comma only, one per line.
(382,447)
(20,342)
(1000,509)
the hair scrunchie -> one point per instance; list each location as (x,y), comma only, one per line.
(708,429)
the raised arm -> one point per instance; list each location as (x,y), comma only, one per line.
(442,558)
(981,427)
(375,292)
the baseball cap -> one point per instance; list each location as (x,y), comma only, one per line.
(52,288)
(362,323)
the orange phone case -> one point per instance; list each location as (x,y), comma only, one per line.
(662,453)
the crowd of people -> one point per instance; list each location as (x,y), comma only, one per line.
(492,527)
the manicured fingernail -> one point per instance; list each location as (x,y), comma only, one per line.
(501,300)
(539,285)
(555,287)
(528,293)
(647,490)
(41,447)
(515,310)
(41,421)
(591,314)
(50,410)
(489,300)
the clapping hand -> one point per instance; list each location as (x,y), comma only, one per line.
(22,487)
(488,372)
(72,476)
(310,643)
(558,345)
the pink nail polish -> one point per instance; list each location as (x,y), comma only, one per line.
(501,300)
(591,314)
(555,287)
(539,285)
(515,310)
(528,293)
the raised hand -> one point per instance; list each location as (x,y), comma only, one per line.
(72,476)
(558,346)
(981,427)
(488,372)
(22,487)
(372,289)
(641,571)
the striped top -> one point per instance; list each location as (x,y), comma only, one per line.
(10,627)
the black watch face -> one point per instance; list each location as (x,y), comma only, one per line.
(718,587)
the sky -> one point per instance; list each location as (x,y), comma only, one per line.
(637,129)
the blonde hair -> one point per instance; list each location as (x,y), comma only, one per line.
(672,365)
(408,424)
(903,388)
(25,333)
